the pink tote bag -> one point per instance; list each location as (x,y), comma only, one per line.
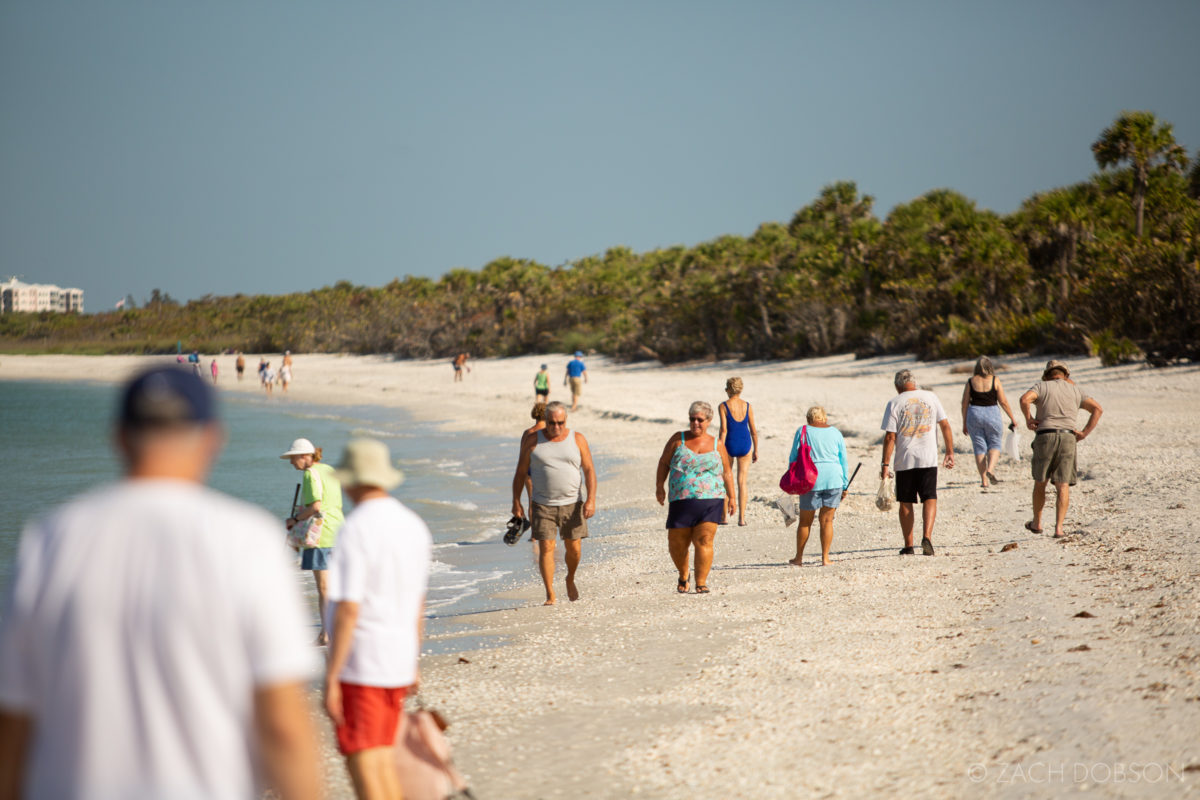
(801,476)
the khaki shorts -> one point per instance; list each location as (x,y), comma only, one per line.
(566,521)
(1054,457)
(576,387)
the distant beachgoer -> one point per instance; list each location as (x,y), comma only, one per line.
(576,376)
(1058,401)
(194,360)
(555,458)
(179,359)
(320,501)
(910,423)
(541,385)
(141,656)
(695,476)
(287,358)
(268,379)
(740,438)
(377,588)
(263,365)
(460,363)
(240,364)
(833,479)
(285,376)
(982,399)
(213,366)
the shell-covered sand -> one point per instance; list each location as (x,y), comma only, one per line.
(1055,667)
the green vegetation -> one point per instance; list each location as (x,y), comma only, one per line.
(1110,266)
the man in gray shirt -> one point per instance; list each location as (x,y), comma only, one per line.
(559,463)
(1058,401)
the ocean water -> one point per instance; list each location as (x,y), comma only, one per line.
(56,442)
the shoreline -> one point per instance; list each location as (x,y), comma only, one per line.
(873,675)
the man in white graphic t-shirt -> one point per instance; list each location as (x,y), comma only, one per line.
(153,642)
(910,423)
(377,581)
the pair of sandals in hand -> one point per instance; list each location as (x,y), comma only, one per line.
(516,526)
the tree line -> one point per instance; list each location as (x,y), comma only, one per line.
(1109,266)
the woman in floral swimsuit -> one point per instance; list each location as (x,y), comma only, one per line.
(700,492)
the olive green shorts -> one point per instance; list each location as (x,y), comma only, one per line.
(1054,457)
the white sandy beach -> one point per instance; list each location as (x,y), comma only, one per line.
(965,674)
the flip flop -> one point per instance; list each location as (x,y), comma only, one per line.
(701,590)
(1029,527)
(682,585)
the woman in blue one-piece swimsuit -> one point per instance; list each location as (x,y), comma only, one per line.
(740,438)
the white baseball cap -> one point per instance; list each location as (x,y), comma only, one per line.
(300,447)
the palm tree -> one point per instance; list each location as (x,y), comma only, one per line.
(1139,138)
(1058,221)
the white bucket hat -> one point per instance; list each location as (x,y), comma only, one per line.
(300,447)
(368,462)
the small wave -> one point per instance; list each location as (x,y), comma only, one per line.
(448,586)
(447,463)
(461,505)
(374,432)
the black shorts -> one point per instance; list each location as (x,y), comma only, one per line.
(689,513)
(914,483)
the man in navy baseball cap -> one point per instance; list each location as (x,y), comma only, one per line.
(166,610)
(167,396)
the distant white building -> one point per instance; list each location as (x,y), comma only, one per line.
(16,295)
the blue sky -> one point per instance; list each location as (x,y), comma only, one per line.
(268,147)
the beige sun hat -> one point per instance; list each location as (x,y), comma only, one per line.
(368,462)
(300,447)
(1052,365)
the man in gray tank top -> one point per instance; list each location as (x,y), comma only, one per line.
(1058,402)
(559,464)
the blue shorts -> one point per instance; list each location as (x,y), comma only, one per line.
(986,428)
(828,498)
(316,558)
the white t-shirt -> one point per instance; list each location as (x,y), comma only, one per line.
(913,417)
(382,563)
(140,620)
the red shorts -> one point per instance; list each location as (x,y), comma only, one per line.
(371,717)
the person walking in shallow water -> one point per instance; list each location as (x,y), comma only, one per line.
(321,510)
(1058,401)
(559,463)
(740,438)
(910,422)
